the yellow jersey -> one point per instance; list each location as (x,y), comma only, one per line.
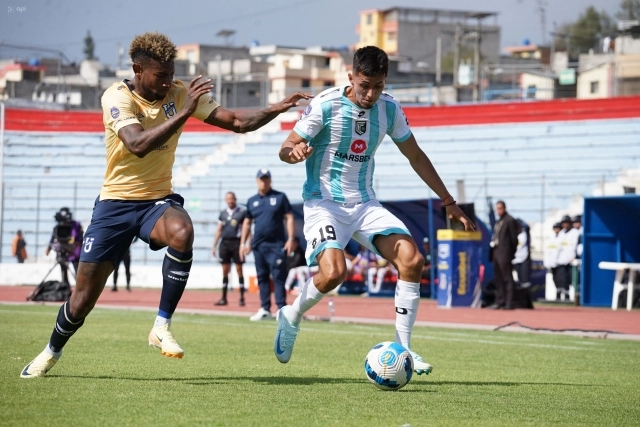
(129,177)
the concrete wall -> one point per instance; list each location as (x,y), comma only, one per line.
(202,276)
(602,75)
(418,41)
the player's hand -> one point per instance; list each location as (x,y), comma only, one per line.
(196,89)
(300,153)
(244,251)
(288,247)
(213,252)
(455,213)
(290,101)
(46,251)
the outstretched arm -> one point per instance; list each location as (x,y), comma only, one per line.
(295,149)
(141,142)
(425,170)
(241,122)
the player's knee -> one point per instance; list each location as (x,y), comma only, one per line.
(181,235)
(336,273)
(411,264)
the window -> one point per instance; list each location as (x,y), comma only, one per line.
(306,83)
(595,86)
(369,19)
(392,36)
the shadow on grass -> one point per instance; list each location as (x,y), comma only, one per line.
(420,385)
(223,380)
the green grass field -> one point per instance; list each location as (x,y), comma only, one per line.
(229,376)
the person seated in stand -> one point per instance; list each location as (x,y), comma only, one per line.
(297,266)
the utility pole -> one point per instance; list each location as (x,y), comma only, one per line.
(476,62)
(438,65)
(219,79)
(456,60)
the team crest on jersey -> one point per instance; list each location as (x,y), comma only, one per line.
(272,201)
(358,146)
(361,127)
(169,109)
(115,113)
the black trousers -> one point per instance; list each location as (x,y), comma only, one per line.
(503,278)
(562,277)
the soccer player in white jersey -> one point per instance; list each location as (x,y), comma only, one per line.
(337,136)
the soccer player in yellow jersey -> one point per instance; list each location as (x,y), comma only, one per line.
(143,119)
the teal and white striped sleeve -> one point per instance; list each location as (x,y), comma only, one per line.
(400,131)
(311,122)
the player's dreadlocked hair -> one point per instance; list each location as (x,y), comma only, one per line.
(152,46)
(371,61)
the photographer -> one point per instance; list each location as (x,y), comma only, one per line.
(66,240)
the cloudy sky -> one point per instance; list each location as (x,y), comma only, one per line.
(63,24)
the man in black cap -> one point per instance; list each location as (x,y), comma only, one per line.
(504,243)
(550,260)
(268,209)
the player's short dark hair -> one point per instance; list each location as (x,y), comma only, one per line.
(371,61)
(152,46)
(232,193)
(501,202)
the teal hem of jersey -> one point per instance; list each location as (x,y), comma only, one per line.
(400,140)
(302,134)
(387,232)
(311,261)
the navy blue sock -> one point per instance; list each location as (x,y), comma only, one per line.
(175,272)
(66,326)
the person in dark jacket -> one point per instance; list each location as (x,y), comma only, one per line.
(504,243)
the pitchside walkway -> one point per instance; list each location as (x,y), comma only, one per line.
(380,311)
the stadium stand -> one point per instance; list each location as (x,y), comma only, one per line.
(536,166)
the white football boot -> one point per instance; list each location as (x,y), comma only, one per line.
(162,338)
(419,365)
(285,336)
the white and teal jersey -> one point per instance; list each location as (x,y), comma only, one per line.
(344,138)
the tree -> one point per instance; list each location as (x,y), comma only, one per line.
(89,47)
(629,10)
(586,33)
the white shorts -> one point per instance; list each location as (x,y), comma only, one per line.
(329,224)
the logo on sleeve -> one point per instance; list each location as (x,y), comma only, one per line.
(361,127)
(169,109)
(115,113)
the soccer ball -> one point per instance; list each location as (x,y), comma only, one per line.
(389,366)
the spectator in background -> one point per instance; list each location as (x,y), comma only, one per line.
(18,247)
(550,260)
(229,230)
(522,259)
(378,269)
(127,269)
(297,266)
(577,225)
(567,242)
(504,243)
(269,209)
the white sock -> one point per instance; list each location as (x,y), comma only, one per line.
(308,297)
(161,321)
(52,353)
(407,300)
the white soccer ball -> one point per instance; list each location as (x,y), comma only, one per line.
(389,366)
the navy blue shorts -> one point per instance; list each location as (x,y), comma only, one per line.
(114,224)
